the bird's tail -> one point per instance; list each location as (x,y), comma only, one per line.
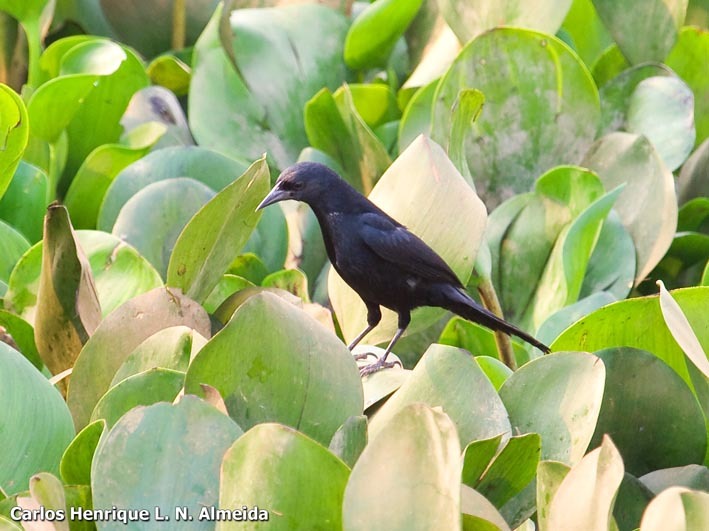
(460,303)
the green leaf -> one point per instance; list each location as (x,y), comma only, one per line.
(616,94)
(617,324)
(421,178)
(450,378)
(291,280)
(469,19)
(649,438)
(534,398)
(118,335)
(658,21)
(375,103)
(25,201)
(350,439)
(46,492)
(75,466)
(611,268)
(23,10)
(334,126)
(527,237)
(479,341)
(677,508)
(465,111)
(585,496)
(511,470)
(89,186)
(37,425)
(169,348)
(662,109)
(22,334)
(212,169)
(589,34)
(541,109)
(415,460)
(416,119)
(97,121)
(647,205)
(294,370)
(690,476)
(477,455)
(227,286)
(277,468)
(373,34)
(269,240)
(559,321)
(166,207)
(496,371)
(68,309)
(13,246)
(563,276)
(234,105)
(630,502)
(156,439)
(170,72)
(142,389)
(692,48)
(216,233)
(14,127)
(118,270)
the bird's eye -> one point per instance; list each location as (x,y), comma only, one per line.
(297,185)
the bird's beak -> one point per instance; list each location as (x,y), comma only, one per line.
(274,196)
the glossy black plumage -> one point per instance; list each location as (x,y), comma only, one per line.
(378,257)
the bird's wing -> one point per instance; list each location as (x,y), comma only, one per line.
(394,243)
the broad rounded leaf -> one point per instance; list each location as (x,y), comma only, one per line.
(692,49)
(415,460)
(210,168)
(169,348)
(296,479)
(273,362)
(156,440)
(647,205)
(471,18)
(249,83)
(118,335)
(25,201)
(535,399)
(449,378)
(648,437)
(541,108)
(617,325)
(644,30)
(152,220)
(142,389)
(690,476)
(12,246)
(36,423)
(421,179)
(662,109)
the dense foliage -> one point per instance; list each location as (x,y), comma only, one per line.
(165,346)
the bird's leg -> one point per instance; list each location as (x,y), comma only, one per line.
(374,315)
(381,363)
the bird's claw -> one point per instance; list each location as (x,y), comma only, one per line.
(364,356)
(378,366)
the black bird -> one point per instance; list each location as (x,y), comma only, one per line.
(378,257)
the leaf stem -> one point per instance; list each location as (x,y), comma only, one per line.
(488,295)
(179,23)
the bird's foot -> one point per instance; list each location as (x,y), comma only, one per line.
(378,366)
(364,356)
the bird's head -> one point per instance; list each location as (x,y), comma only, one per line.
(304,181)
